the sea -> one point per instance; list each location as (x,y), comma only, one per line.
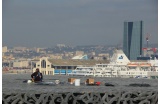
(13,83)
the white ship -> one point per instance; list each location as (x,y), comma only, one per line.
(121,66)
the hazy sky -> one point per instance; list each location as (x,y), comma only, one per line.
(45,23)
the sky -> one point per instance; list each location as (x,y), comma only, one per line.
(45,23)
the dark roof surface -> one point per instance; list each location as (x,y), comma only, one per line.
(75,62)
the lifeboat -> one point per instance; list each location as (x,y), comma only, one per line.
(132,65)
(145,64)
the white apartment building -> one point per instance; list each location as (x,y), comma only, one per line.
(4,49)
(20,64)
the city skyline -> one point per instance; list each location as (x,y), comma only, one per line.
(85,22)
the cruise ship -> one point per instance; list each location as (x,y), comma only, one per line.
(120,66)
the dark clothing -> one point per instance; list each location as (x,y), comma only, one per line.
(37,76)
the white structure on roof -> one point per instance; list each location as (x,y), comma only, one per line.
(85,57)
(119,58)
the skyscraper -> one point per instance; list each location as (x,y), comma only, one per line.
(133,39)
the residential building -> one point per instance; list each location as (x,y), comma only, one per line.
(61,45)
(4,49)
(79,53)
(20,64)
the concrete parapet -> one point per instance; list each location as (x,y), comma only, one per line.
(114,97)
(18,71)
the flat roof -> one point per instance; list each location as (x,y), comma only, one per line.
(75,62)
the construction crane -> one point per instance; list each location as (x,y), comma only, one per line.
(147,49)
(147,39)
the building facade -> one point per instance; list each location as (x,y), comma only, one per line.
(20,64)
(48,66)
(133,39)
(44,66)
(4,49)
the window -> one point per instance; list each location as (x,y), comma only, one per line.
(69,67)
(52,66)
(63,67)
(74,67)
(43,64)
(58,67)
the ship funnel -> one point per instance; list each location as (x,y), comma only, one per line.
(119,58)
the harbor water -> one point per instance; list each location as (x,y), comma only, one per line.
(12,83)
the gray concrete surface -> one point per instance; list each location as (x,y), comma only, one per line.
(13,83)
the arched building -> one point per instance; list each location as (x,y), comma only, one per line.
(49,66)
(44,66)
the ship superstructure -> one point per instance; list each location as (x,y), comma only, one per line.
(120,66)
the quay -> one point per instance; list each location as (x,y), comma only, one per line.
(16,92)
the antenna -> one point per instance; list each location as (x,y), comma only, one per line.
(147,39)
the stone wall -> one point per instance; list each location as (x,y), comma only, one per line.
(148,97)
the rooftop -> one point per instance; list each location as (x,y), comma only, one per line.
(73,62)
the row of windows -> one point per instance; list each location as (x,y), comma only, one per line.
(134,73)
(59,67)
(49,72)
(43,65)
(64,67)
(110,75)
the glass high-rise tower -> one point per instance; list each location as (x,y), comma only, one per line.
(133,39)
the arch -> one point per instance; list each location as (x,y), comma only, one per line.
(43,64)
